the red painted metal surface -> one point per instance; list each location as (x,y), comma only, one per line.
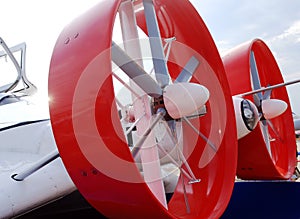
(254,160)
(89,135)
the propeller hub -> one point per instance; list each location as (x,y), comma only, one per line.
(183,99)
(272,108)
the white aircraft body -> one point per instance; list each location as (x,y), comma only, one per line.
(26,143)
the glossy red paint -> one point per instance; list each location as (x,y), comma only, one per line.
(254,160)
(88,132)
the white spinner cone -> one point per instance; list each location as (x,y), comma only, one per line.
(183,99)
(272,108)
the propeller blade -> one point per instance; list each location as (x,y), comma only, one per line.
(254,75)
(129,29)
(257,100)
(267,94)
(183,99)
(272,108)
(135,72)
(159,62)
(274,130)
(188,70)
(265,131)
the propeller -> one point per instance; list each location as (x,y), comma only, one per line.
(267,108)
(171,101)
(180,99)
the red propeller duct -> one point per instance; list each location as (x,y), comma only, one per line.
(269,151)
(110,170)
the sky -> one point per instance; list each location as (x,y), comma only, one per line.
(276,22)
(230,22)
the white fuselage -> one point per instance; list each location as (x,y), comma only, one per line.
(26,137)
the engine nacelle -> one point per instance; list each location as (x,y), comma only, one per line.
(246,116)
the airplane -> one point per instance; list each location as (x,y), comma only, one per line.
(173,133)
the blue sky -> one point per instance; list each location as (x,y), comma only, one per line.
(276,22)
(230,22)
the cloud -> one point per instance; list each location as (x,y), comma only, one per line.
(277,23)
(286,48)
(292,33)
